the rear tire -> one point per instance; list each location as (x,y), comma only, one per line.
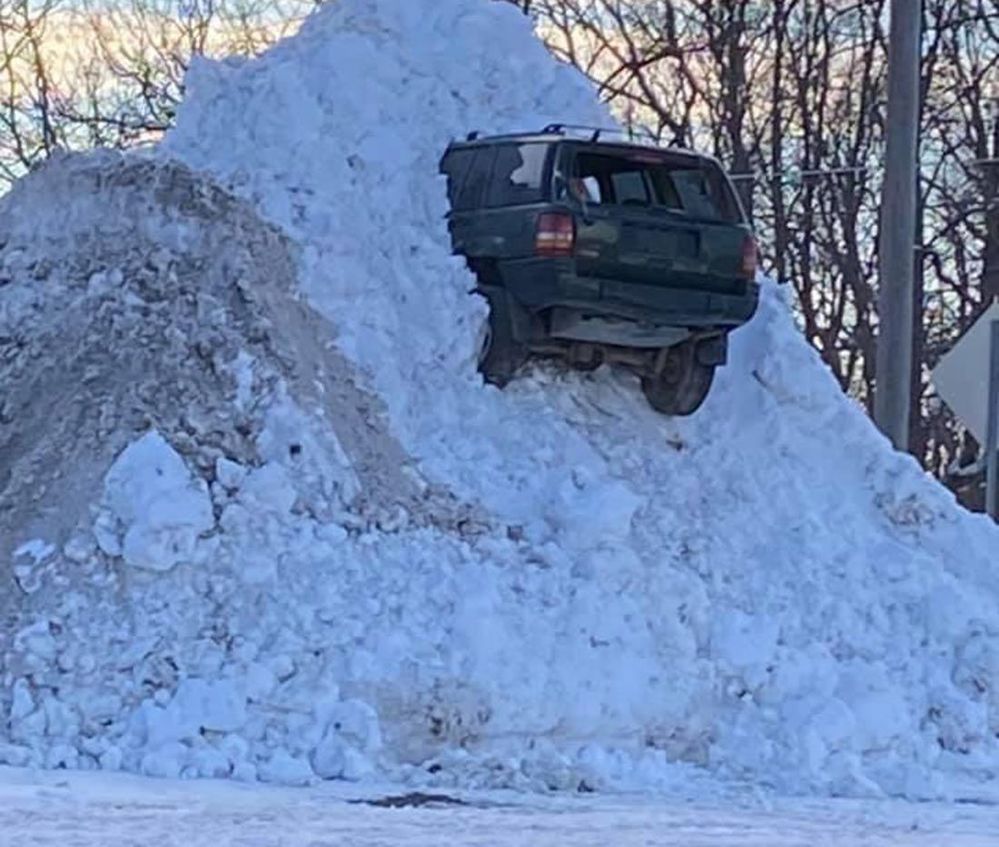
(500,354)
(683,385)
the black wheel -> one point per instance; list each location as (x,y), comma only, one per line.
(682,386)
(500,354)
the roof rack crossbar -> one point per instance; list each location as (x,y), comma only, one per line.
(595,131)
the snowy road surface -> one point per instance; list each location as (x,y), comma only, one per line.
(97,810)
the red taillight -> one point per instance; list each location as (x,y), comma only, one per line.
(750,257)
(555,235)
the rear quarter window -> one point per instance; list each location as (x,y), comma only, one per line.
(518,175)
(496,175)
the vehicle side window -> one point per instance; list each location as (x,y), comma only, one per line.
(473,188)
(455,165)
(518,175)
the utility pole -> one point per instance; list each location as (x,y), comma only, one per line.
(992,430)
(893,392)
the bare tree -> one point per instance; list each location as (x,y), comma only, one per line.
(111,72)
(28,128)
(144,48)
(791,94)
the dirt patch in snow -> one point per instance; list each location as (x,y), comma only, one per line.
(136,294)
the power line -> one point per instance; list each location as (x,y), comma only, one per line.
(792,175)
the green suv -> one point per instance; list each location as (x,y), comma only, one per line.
(594,251)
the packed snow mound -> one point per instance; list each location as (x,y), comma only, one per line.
(765,590)
(176,424)
(139,298)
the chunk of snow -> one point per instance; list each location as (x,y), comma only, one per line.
(36,549)
(161,506)
(285,769)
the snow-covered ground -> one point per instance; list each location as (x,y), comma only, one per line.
(99,810)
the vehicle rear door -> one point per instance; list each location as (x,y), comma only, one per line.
(698,235)
(638,227)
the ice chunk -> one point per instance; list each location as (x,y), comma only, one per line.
(161,506)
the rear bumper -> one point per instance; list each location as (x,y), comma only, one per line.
(540,284)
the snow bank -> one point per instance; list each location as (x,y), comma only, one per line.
(545,587)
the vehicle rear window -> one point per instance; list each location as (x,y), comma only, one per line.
(702,192)
(518,175)
(696,188)
(630,187)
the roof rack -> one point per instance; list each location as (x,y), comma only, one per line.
(595,132)
(643,136)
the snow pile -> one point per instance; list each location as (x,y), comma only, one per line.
(176,423)
(137,295)
(549,586)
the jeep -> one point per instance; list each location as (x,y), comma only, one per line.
(596,251)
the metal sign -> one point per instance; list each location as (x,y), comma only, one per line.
(967,378)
